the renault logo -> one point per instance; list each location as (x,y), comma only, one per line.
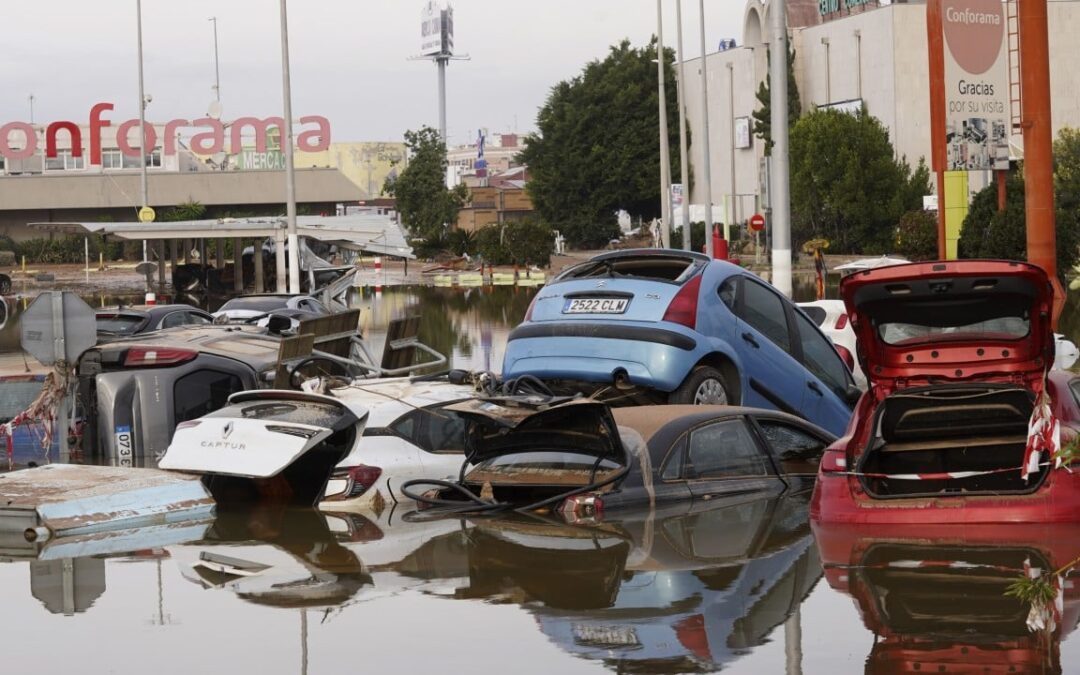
(226,430)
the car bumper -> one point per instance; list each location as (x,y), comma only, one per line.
(649,356)
(1057,501)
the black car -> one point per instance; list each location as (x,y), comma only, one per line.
(135,320)
(583,458)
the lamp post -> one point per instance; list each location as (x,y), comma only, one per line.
(665,152)
(683,163)
(290,174)
(142,125)
(705,132)
(778,192)
(217,71)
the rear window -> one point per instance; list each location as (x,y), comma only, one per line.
(202,392)
(118,324)
(297,412)
(1003,328)
(657,268)
(816,314)
(261,304)
(547,461)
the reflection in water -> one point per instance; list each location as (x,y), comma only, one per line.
(936,600)
(676,590)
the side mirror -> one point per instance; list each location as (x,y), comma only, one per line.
(221,320)
(278,324)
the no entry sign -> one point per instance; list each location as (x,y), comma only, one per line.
(757,222)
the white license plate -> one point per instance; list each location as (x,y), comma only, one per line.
(596,306)
(124,446)
(605,636)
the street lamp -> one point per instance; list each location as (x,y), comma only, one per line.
(665,153)
(143,100)
(705,133)
(290,173)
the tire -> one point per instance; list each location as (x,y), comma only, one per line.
(703,386)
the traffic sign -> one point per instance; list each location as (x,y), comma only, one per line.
(757,222)
(57,326)
(146,215)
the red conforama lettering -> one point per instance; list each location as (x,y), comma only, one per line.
(209,142)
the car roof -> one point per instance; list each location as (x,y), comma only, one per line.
(660,425)
(389,398)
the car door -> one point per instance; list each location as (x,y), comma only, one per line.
(724,458)
(764,340)
(827,379)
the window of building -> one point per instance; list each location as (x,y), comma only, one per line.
(72,163)
(112,159)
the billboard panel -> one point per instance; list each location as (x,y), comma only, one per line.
(976,85)
(430,29)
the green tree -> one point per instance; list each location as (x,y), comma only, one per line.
(846,184)
(763,114)
(990,233)
(423,200)
(916,235)
(597,149)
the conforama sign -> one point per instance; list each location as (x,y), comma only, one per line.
(208,142)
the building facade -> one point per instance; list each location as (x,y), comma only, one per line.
(871,54)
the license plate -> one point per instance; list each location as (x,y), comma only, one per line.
(595,306)
(124,446)
(605,636)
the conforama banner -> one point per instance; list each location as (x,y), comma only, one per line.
(976,85)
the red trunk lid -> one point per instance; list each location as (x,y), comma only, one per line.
(955,320)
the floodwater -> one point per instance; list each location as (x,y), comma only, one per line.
(743,585)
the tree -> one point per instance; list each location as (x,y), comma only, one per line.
(423,200)
(990,233)
(597,149)
(917,235)
(847,185)
(763,115)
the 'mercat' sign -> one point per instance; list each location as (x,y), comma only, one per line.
(19,141)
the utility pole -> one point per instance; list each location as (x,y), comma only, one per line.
(683,163)
(665,151)
(779,190)
(290,173)
(705,141)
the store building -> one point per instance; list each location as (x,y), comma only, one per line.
(853,54)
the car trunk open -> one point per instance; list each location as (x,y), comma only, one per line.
(265,445)
(524,453)
(949,429)
(955,353)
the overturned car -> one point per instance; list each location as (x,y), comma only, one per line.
(956,354)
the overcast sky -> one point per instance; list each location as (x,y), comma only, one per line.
(349,58)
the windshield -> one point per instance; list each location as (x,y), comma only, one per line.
(1002,328)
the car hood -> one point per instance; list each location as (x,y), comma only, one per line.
(508,425)
(954,320)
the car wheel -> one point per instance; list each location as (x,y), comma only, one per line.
(703,386)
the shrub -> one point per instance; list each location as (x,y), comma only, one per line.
(917,235)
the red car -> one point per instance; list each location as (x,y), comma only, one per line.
(934,595)
(955,355)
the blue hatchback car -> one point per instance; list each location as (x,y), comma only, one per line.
(681,328)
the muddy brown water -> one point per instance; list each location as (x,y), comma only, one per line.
(740,585)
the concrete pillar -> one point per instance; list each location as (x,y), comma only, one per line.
(238,265)
(259,278)
(219,249)
(172,255)
(187,251)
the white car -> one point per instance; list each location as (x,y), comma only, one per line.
(349,450)
(831,317)
(250,308)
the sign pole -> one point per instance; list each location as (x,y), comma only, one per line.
(290,173)
(705,137)
(935,44)
(665,152)
(684,165)
(779,196)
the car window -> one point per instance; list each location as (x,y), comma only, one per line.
(797,450)
(432,429)
(183,318)
(202,392)
(764,310)
(820,357)
(724,450)
(673,469)
(816,314)
(119,324)
(727,292)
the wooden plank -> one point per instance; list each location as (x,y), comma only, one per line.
(406,328)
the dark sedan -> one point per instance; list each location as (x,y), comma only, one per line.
(135,320)
(582,458)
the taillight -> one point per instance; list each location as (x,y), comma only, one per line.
(352,482)
(833,461)
(532,303)
(841,322)
(138,357)
(845,356)
(581,507)
(683,307)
